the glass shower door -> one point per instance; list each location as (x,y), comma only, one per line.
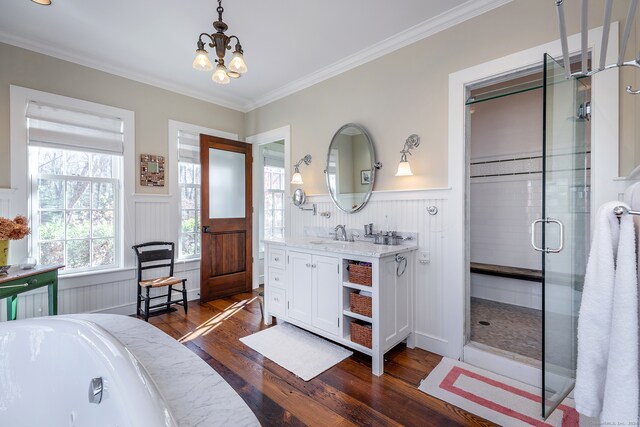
(565,228)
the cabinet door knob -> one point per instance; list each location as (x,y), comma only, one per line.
(308,265)
(313,266)
(276,259)
(277,279)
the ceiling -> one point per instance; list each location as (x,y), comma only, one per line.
(288,44)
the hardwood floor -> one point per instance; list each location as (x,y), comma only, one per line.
(345,395)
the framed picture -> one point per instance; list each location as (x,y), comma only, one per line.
(151,170)
(365,177)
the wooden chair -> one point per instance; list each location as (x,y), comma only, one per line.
(157,255)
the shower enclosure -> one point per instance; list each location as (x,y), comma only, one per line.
(528,207)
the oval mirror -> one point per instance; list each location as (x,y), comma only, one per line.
(299,197)
(351,168)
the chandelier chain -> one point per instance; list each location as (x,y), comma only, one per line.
(220,9)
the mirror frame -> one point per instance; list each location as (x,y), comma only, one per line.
(374,166)
(299,197)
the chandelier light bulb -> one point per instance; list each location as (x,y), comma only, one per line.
(220,75)
(202,62)
(237,64)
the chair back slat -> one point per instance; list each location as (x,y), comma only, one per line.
(155,255)
(152,258)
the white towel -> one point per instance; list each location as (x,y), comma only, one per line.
(632,198)
(594,321)
(620,405)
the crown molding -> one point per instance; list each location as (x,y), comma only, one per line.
(237,103)
(455,16)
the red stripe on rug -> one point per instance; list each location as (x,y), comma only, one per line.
(570,416)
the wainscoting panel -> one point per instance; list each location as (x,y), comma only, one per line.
(153,221)
(401,211)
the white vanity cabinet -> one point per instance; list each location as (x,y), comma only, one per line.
(308,285)
(314,288)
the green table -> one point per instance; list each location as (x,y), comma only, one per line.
(18,281)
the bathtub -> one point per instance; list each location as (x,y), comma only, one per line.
(46,370)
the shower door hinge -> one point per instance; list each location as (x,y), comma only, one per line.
(584,111)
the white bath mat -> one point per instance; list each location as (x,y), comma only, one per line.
(296,350)
(498,399)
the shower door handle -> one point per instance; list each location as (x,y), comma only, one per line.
(533,234)
(547,221)
(561,225)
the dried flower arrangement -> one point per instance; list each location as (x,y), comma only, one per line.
(14,230)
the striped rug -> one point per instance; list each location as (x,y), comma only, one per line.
(496,398)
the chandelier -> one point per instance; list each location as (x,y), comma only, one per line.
(221,42)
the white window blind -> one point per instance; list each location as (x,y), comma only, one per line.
(188,147)
(51,126)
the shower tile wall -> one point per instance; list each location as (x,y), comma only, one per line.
(502,210)
(506,193)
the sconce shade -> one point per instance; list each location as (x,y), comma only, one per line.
(220,75)
(202,62)
(404,169)
(297,178)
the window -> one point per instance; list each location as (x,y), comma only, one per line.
(75,167)
(273,201)
(189,184)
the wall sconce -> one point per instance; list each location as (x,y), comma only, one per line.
(297,178)
(404,169)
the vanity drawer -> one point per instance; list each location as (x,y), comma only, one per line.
(277,277)
(277,258)
(277,298)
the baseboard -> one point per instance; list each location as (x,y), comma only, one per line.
(434,345)
(130,308)
(502,365)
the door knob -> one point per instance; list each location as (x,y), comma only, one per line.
(205,229)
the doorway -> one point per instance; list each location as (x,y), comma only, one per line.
(271,189)
(528,139)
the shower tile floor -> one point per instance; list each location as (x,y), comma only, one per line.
(511,328)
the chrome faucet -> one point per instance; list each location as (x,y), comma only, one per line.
(338,234)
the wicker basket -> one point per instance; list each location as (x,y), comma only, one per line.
(360,304)
(361,333)
(360,274)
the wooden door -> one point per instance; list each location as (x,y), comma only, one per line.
(226,262)
(299,289)
(326,288)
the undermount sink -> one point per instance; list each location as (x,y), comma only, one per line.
(327,242)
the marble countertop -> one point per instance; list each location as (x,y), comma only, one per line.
(195,393)
(351,248)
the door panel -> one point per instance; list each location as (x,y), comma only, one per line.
(299,295)
(230,249)
(565,233)
(225,266)
(326,293)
